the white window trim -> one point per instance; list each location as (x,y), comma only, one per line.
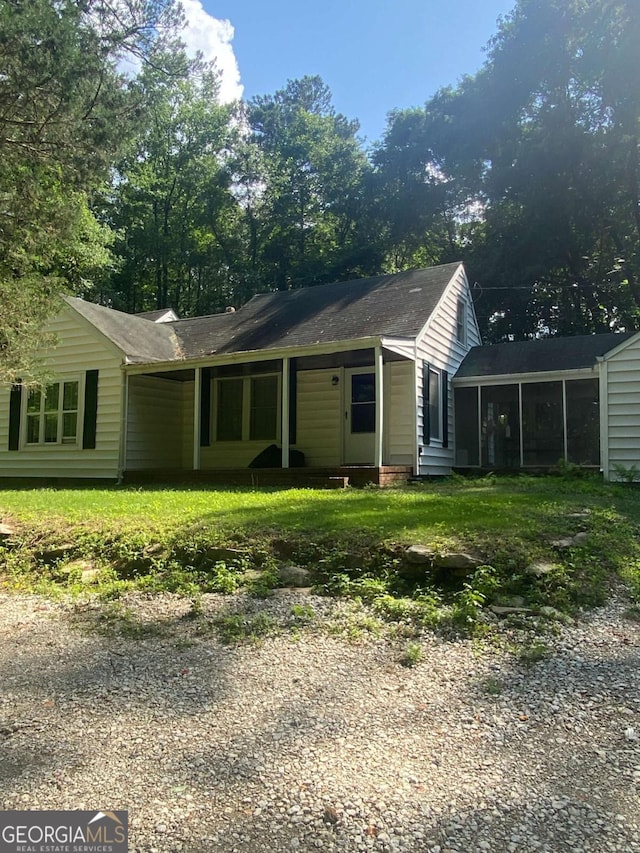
(41,445)
(246,408)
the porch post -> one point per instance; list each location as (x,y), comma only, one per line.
(379,407)
(197,397)
(284,428)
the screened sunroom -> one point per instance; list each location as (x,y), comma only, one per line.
(533,404)
(528,424)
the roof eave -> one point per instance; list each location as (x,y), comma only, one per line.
(255,355)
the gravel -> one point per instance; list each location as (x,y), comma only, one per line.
(308,741)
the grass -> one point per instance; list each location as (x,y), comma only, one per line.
(195,540)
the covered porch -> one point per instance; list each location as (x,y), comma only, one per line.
(346,416)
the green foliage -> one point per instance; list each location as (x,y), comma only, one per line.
(64,110)
(412,655)
(627,474)
(239,627)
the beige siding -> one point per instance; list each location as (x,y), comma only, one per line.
(440,347)
(398,416)
(154,423)
(187,425)
(319,434)
(623,409)
(80,348)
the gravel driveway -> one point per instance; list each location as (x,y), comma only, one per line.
(307,741)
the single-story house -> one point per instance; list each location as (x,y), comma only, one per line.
(372,380)
(351,379)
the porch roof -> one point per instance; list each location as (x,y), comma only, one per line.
(538,356)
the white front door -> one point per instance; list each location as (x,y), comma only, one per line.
(359,416)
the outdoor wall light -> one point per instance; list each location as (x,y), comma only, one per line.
(335,380)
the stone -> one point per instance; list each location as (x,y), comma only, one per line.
(562,544)
(419,555)
(6,531)
(456,562)
(222,555)
(580,538)
(295,576)
(539,570)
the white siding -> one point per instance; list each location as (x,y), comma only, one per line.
(439,346)
(155,423)
(80,348)
(623,409)
(320,421)
(399,399)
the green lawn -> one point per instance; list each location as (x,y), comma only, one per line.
(353,535)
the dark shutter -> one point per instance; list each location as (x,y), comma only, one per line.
(15,406)
(293,400)
(444,401)
(205,407)
(90,410)
(426,423)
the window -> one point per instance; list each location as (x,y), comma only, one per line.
(229,417)
(542,423)
(461,322)
(363,403)
(247,408)
(467,439)
(52,414)
(435,421)
(264,408)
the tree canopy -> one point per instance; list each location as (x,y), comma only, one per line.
(141,190)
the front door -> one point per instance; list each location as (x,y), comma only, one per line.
(359,416)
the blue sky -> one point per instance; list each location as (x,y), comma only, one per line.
(375,55)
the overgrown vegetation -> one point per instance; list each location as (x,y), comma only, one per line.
(104,542)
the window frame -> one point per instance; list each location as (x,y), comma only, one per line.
(461,321)
(435,408)
(247,408)
(60,411)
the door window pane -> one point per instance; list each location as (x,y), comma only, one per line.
(264,408)
(229,414)
(363,402)
(583,421)
(500,426)
(542,423)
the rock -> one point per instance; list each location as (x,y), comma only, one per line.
(295,576)
(6,532)
(419,555)
(562,544)
(580,538)
(550,612)
(222,555)
(456,562)
(500,610)
(539,570)
(53,555)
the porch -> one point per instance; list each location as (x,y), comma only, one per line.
(342,417)
(332,478)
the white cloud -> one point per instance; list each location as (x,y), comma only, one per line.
(213,37)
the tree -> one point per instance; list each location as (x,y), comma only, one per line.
(64,108)
(534,163)
(308,217)
(171,199)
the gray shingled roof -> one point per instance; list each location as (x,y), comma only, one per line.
(536,356)
(393,305)
(140,340)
